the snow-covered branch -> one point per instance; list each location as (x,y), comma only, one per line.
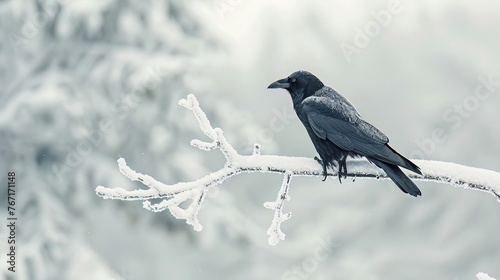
(194,192)
(274,231)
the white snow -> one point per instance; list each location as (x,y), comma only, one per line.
(484,276)
(461,175)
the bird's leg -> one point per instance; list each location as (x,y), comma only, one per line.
(324,167)
(342,165)
(345,166)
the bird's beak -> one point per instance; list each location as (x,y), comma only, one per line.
(283,83)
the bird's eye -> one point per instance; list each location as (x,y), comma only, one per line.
(293,80)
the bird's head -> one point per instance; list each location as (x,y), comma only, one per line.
(300,85)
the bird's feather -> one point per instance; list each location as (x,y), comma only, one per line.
(337,120)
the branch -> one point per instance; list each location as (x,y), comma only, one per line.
(274,231)
(174,195)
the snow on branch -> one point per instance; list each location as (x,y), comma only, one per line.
(172,196)
(274,231)
(484,276)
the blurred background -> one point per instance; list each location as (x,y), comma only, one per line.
(86,82)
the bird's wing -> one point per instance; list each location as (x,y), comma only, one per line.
(338,121)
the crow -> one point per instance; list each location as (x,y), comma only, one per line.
(337,130)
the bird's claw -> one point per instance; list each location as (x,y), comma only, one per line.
(324,172)
(342,168)
(318,160)
(324,167)
(342,165)
(340,172)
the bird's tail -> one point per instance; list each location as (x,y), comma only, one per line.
(406,163)
(398,177)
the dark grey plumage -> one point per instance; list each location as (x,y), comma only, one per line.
(337,130)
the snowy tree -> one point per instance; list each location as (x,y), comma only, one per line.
(76,77)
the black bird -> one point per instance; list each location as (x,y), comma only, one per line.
(337,130)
